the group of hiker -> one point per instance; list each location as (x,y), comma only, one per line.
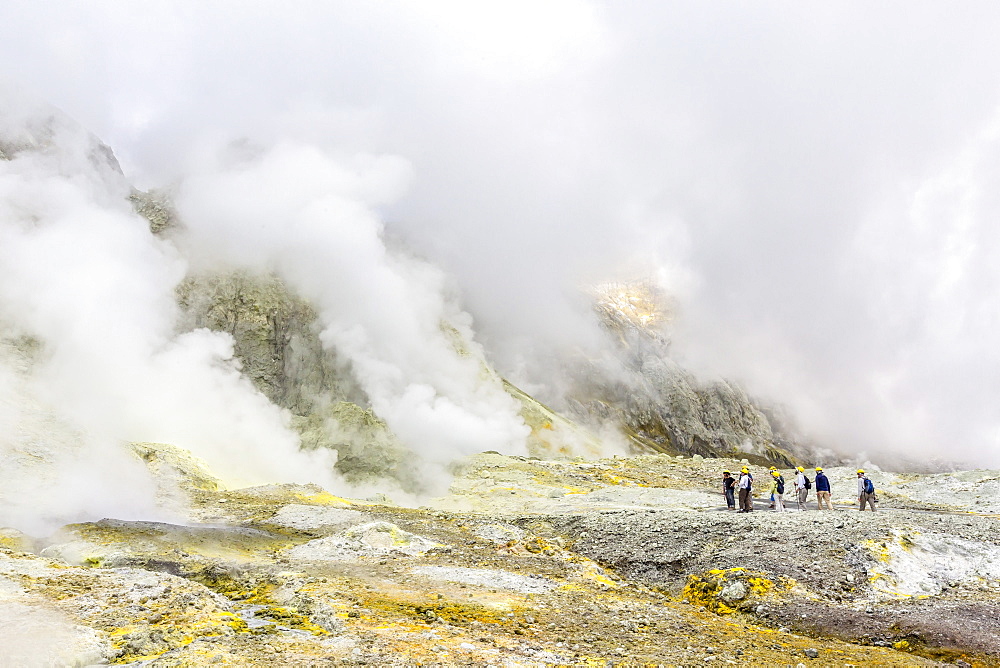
(744,485)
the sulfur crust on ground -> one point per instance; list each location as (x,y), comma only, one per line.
(540,576)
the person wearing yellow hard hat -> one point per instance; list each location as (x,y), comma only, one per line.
(771,470)
(802,485)
(745,486)
(866,491)
(777,490)
(822,490)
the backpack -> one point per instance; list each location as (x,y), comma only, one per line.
(781,485)
(869,487)
(809,483)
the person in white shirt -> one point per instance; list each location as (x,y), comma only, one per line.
(746,487)
(801,490)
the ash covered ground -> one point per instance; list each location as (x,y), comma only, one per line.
(525,562)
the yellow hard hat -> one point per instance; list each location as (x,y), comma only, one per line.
(744,470)
(819,468)
(799,468)
(861,470)
(772,468)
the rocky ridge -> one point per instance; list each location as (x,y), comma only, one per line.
(661,406)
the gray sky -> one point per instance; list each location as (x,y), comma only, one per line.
(815,181)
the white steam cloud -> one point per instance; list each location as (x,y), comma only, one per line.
(88,313)
(300,213)
(820,175)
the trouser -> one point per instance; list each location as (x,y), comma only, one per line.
(822,497)
(779,505)
(803,495)
(869,499)
(746,503)
(730,499)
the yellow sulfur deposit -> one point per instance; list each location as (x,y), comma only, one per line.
(724,591)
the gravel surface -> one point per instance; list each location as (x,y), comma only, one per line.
(525,584)
(306,518)
(624,561)
(855,574)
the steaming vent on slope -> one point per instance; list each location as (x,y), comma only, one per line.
(253,315)
(125,347)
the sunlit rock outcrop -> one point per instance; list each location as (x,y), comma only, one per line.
(660,405)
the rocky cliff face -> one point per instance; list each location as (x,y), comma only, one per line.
(660,405)
(27,128)
(276,338)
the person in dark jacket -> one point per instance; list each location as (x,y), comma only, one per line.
(729,489)
(822,490)
(866,497)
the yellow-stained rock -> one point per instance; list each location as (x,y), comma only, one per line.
(725,591)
